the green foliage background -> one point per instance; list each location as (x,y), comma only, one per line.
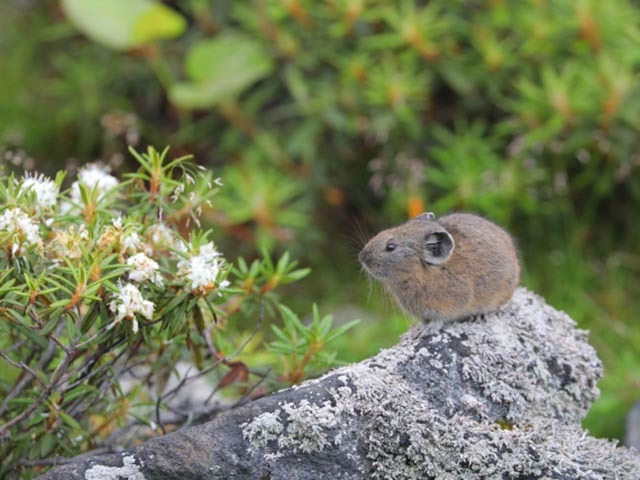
(328,120)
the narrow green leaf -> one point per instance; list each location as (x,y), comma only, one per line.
(278,332)
(60,303)
(283,262)
(341,330)
(79,391)
(296,275)
(69,420)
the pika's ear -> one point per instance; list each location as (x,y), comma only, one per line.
(438,247)
(426,216)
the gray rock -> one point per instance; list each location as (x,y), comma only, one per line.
(495,397)
(632,427)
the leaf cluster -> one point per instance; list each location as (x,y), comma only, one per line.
(106,292)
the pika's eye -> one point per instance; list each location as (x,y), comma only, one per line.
(390,247)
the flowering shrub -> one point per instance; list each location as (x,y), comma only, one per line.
(116,279)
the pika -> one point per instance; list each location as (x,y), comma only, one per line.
(445,269)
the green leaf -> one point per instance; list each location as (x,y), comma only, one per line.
(198,318)
(78,391)
(49,326)
(324,325)
(297,275)
(124,24)
(178,300)
(283,262)
(242,265)
(69,421)
(60,303)
(335,333)
(36,339)
(280,334)
(293,323)
(157,22)
(219,69)
(46,444)
(284,348)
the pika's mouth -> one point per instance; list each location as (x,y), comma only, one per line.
(368,263)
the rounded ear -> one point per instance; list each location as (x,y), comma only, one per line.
(438,247)
(426,216)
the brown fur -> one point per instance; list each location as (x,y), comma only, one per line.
(480,276)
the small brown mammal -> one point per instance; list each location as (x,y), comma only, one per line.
(444,269)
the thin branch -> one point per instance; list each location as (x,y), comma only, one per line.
(16,346)
(21,366)
(21,385)
(34,316)
(57,375)
(242,400)
(95,358)
(187,378)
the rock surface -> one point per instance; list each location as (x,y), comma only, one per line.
(495,397)
(632,427)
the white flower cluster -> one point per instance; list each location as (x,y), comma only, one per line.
(130,242)
(161,237)
(68,243)
(201,271)
(93,177)
(22,231)
(129,302)
(144,268)
(46,191)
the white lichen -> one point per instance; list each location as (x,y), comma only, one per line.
(129,470)
(307,426)
(263,429)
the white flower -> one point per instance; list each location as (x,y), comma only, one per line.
(68,243)
(144,268)
(161,237)
(92,177)
(202,271)
(46,191)
(177,192)
(21,229)
(131,243)
(128,303)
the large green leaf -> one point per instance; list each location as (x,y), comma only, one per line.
(123,24)
(220,68)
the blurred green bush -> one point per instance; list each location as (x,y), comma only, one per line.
(324,115)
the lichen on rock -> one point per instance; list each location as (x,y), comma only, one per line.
(499,396)
(129,470)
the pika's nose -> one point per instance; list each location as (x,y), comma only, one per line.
(364,256)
